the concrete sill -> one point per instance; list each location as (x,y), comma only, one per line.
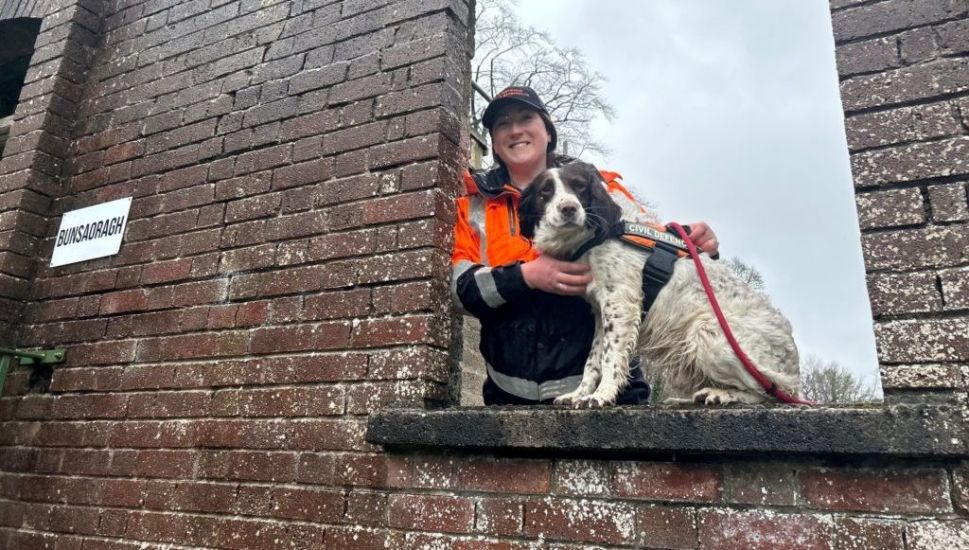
(891,431)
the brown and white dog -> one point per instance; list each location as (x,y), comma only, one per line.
(565,207)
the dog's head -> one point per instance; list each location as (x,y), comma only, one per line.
(562,207)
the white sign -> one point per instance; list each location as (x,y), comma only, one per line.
(92,232)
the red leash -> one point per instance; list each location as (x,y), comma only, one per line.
(770,387)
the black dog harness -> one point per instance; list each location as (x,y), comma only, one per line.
(664,246)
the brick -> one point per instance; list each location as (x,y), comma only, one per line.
(167,271)
(397,331)
(366,87)
(366,398)
(279,282)
(955,288)
(580,520)
(442,514)
(247,466)
(315,78)
(505,476)
(251,184)
(949,203)
(338,305)
(316,504)
(862,534)
(912,162)
(101,353)
(366,508)
(422,361)
(262,159)
(891,208)
(903,293)
(90,406)
(665,527)
(892,15)
(357,538)
(918,45)
(268,112)
(281,402)
(868,56)
(354,138)
(960,479)
(667,481)
(342,469)
(153,463)
(760,484)
(954,36)
(926,535)
(253,207)
(924,376)
(192,346)
(911,491)
(763,530)
(306,337)
(927,340)
(499,516)
(900,125)
(920,82)
(916,248)
(302,174)
(168,404)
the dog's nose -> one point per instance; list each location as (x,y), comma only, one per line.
(568,210)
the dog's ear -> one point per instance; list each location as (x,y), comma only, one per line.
(603,212)
(529,211)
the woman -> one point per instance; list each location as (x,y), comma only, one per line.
(536,330)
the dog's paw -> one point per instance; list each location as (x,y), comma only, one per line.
(714,396)
(590,402)
(567,399)
(720,396)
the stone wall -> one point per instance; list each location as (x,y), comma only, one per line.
(284,277)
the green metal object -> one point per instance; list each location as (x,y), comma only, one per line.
(28,357)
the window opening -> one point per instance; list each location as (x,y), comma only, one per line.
(15,53)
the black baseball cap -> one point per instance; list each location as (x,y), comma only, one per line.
(525,96)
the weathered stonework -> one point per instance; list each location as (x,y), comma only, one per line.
(895,207)
(949,202)
(262,364)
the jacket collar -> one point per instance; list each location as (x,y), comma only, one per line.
(494,182)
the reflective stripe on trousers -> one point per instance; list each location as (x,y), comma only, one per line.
(534,391)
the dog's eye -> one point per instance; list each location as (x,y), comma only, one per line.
(547,189)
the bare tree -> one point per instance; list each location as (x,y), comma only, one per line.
(746,272)
(508,53)
(828,382)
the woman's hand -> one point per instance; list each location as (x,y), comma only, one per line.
(704,238)
(557,277)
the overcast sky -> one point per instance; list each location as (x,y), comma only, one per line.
(728,112)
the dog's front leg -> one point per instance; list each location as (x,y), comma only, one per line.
(591,373)
(620,332)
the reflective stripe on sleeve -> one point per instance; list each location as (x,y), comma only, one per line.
(456,272)
(476,216)
(485,280)
(535,391)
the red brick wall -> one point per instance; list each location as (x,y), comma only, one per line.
(293,166)
(905,88)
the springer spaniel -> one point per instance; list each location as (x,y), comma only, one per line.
(565,207)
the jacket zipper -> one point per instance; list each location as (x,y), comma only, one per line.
(512,218)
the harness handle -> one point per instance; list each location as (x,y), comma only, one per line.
(769,386)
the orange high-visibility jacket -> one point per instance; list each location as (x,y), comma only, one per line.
(534,343)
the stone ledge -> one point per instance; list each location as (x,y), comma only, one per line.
(891,431)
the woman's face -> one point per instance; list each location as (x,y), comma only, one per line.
(519,137)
